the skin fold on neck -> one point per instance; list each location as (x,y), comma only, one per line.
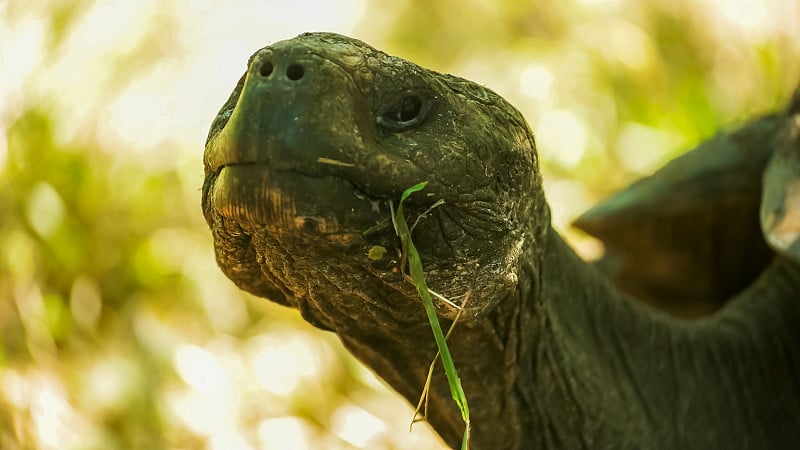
(670,383)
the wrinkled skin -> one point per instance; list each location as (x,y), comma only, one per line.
(323,132)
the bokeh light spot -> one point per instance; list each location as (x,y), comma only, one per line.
(536,82)
(281,364)
(746,13)
(356,426)
(45,209)
(283,433)
(562,137)
(199,368)
(641,148)
(85,302)
(108,384)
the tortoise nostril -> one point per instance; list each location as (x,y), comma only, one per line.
(266,69)
(295,72)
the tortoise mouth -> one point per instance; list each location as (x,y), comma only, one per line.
(254,193)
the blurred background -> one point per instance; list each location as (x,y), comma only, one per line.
(118,330)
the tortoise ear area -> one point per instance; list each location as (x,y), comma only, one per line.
(780,202)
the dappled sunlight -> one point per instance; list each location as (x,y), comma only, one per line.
(85,303)
(108,383)
(285,432)
(356,426)
(562,137)
(45,210)
(285,361)
(626,44)
(41,412)
(536,82)
(644,148)
(748,14)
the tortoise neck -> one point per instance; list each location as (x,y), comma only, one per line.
(643,379)
(583,353)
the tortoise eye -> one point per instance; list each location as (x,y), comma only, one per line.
(404,112)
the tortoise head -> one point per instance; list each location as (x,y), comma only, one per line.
(322,132)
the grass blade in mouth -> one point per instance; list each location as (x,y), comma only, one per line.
(411,255)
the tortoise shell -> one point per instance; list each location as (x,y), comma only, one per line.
(690,236)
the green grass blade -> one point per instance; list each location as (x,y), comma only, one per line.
(418,277)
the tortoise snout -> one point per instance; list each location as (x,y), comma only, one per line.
(295,107)
(277,67)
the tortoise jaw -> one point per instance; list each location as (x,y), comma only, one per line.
(289,201)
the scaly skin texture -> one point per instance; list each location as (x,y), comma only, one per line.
(323,132)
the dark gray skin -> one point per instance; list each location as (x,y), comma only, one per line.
(324,131)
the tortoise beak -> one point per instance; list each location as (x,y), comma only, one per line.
(295,109)
(284,156)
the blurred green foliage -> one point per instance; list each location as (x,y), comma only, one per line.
(119,331)
(81,258)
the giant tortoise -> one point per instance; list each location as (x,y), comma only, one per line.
(686,335)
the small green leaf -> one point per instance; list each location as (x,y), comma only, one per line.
(376,253)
